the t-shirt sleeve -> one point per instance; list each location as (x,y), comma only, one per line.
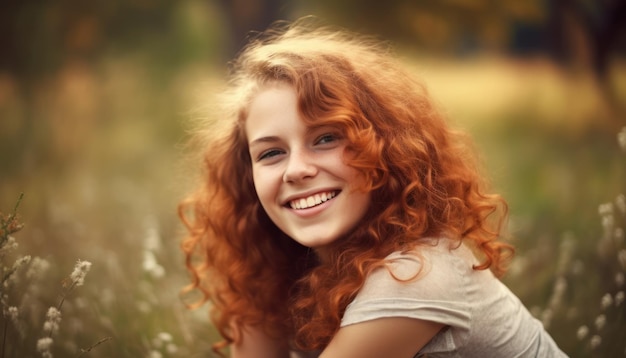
(484,318)
(430,287)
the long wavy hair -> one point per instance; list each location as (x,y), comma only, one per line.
(423,178)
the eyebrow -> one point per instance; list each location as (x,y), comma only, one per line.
(268,139)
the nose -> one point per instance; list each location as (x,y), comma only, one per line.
(300,166)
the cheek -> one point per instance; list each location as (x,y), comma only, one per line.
(356,179)
(262,186)
(340,162)
(256,181)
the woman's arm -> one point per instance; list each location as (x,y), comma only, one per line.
(255,343)
(393,337)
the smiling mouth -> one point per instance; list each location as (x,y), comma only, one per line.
(313,200)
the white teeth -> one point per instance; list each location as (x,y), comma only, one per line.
(312,200)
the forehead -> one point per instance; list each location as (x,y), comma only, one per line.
(271,109)
(271,97)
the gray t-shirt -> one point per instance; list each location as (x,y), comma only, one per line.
(483,317)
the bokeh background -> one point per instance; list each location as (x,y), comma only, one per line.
(94,101)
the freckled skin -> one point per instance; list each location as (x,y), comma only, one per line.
(291,162)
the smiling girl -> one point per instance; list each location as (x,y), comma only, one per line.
(339,215)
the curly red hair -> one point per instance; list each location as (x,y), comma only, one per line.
(422,176)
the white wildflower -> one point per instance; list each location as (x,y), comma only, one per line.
(171,348)
(13,313)
(606,301)
(10,245)
(10,277)
(43,347)
(600,321)
(151,266)
(565,252)
(53,314)
(595,342)
(154,354)
(621,256)
(165,337)
(53,318)
(620,202)
(560,286)
(619,235)
(582,332)
(152,240)
(21,261)
(37,267)
(608,223)
(621,138)
(619,298)
(80,271)
(50,327)
(605,209)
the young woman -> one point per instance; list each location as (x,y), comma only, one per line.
(339,215)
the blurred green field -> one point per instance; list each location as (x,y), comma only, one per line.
(96,148)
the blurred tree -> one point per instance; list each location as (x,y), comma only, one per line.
(462,26)
(578,34)
(58,47)
(37,36)
(588,30)
(589,34)
(456,26)
(245,16)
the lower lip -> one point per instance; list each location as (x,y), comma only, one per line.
(313,210)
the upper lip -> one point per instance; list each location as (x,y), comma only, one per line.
(307,194)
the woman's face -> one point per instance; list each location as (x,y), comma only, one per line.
(299,173)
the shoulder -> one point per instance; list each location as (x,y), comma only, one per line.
(431,269)
(430,281)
